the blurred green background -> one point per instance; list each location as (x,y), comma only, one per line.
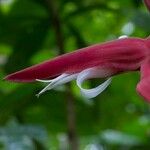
(32,31)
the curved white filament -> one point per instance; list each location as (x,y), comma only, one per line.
(81,77)
(62,79)
(55,79)
(92,73)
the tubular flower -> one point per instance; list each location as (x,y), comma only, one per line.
(98,61)
(147,3)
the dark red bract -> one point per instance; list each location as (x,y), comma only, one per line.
(115,57)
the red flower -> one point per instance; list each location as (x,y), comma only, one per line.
(98,61)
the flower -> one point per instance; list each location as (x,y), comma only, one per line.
(98,61)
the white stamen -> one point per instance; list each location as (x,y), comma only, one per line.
(62,79)
(81,77)
(92,73)
(55,79)
(122,37)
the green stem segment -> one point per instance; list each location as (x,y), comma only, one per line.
(71,121)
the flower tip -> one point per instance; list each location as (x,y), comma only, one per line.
(14,78)
(10,79)
(7,78)
(4,78)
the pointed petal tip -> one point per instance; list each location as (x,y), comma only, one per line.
(7,78)
(12,78)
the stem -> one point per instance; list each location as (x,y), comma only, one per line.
(71,121)
(72,137)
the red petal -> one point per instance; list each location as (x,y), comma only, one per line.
(121,55)
(143,86)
